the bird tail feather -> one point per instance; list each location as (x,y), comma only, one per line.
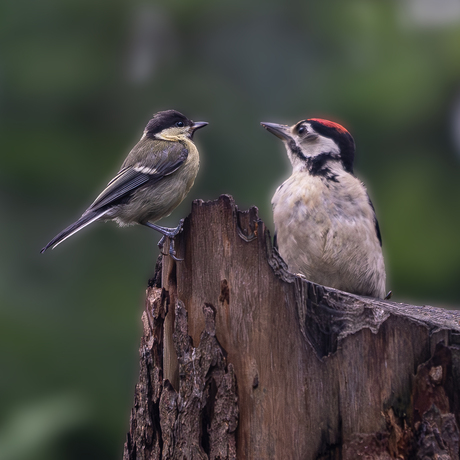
(85,220)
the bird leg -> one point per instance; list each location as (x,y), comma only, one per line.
(171,233)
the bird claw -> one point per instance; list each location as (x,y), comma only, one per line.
(172,253)
(178,229)
(171,234)
(161,244)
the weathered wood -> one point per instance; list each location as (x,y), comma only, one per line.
(201,418)
(241,359)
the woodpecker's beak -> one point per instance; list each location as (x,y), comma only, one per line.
(281,131)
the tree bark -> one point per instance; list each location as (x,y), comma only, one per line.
(241,359)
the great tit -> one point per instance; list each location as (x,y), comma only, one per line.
(156,176)
(325,223)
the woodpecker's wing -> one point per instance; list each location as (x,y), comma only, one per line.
(376,222)
(154,167)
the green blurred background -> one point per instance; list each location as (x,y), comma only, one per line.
(78,82)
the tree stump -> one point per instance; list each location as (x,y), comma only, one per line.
(242,359)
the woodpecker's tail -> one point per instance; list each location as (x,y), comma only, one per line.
(85,220)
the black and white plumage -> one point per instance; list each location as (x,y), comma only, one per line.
(325,223)
(156,176)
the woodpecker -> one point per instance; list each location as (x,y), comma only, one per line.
(325,224)
(156,176)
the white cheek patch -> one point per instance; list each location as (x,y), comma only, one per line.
(321,145)
(144,169)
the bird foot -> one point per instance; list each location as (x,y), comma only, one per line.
(171,233)
(171,251)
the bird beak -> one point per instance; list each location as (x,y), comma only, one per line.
(281,131)
(198,124)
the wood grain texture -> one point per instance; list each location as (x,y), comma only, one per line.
(300,371)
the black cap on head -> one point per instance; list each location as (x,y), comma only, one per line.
(340,135)
(166,119)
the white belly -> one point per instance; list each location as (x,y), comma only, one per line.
(327,233)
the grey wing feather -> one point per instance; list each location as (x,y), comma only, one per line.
(129,179)
(126,180)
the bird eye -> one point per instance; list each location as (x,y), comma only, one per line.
(301,129)
(179,124)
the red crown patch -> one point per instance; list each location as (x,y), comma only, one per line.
(330,124)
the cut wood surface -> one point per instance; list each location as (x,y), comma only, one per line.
(241,359)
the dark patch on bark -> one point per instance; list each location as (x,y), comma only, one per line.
(224,292)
